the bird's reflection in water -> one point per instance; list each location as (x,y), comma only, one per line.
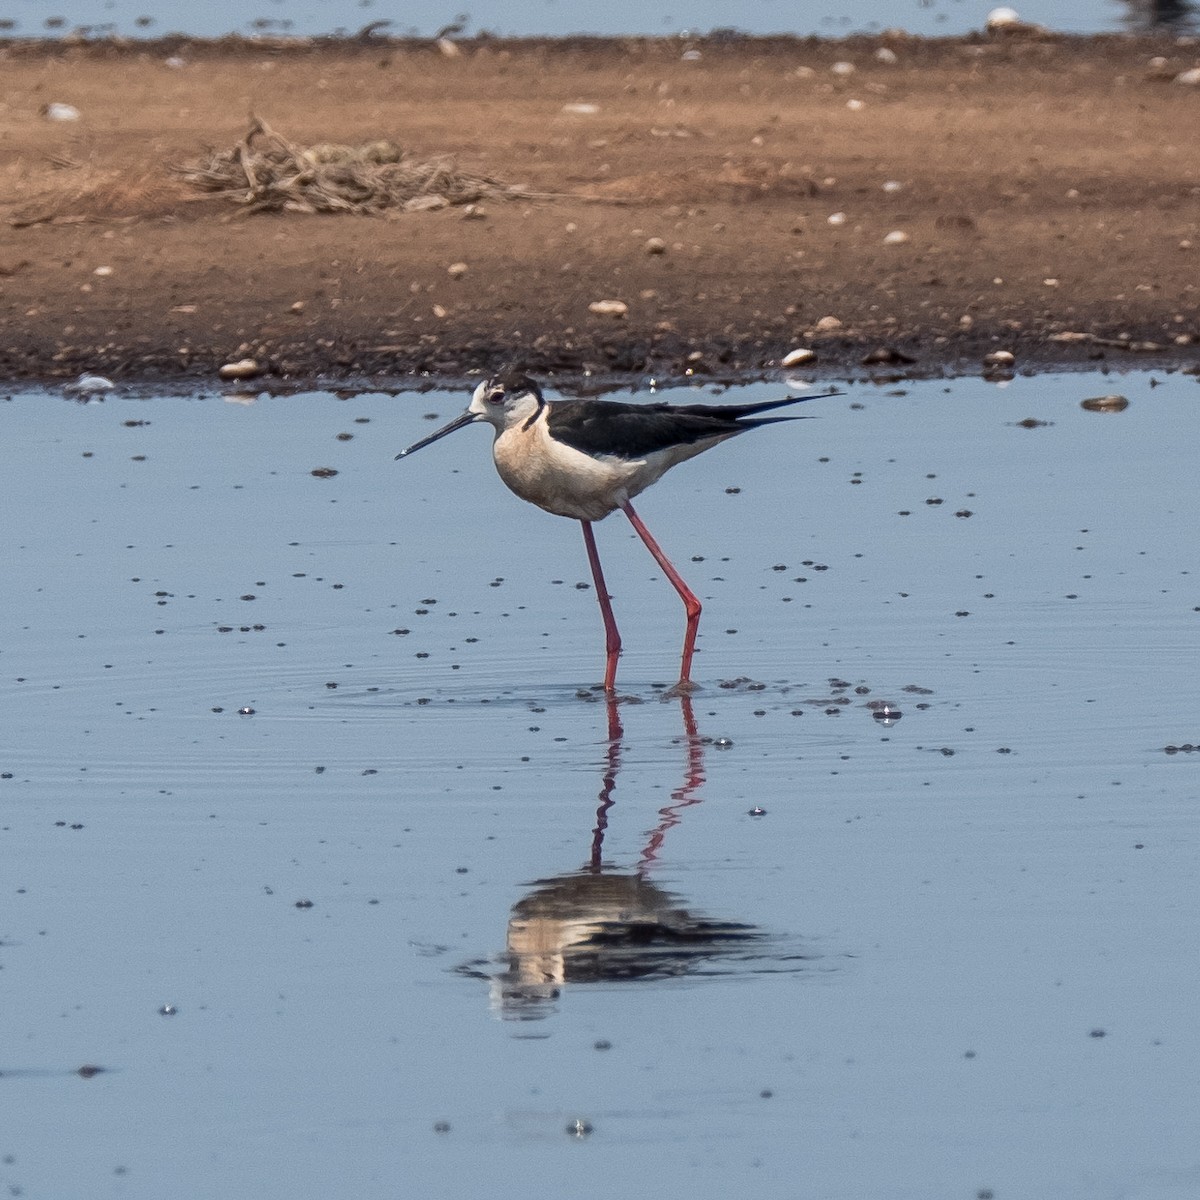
(602,925)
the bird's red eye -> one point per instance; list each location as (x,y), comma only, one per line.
(496,397)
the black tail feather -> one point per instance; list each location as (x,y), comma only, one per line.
(736,412)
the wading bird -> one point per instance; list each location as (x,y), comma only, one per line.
(588,458)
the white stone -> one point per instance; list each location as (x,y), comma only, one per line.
(89,385)
(243,368)
(794,358)
(608,308)
(1003,18)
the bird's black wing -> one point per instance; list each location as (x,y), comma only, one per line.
(634,430)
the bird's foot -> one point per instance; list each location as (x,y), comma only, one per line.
(685,687)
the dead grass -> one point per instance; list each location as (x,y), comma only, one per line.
(265,172)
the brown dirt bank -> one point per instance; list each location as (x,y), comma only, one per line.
(1049,186)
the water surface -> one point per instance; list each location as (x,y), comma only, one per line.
(424,18)
(430,913)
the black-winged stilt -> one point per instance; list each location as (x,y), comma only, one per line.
(588,458)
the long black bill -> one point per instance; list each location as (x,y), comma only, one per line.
(467,418)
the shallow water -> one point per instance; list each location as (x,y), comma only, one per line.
(552,18)
(433,917)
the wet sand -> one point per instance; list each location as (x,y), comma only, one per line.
(1048,191)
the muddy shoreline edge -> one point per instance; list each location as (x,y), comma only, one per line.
(1044,185)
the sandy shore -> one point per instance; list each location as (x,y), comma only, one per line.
(1045,190)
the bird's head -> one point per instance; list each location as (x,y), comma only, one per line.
(503,401)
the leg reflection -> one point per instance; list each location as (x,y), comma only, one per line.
(683,796)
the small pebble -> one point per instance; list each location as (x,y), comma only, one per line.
(793,358)
(608,308)
(896,238)
(1003,18)
(656,245)
(60,112)
(999,358)
(89,385)
(243,368)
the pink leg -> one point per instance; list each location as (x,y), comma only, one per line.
(612,637)
(690,601)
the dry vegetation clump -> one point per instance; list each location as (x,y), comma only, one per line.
(265,172)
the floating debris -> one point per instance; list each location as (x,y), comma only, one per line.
(1105,404)
(265,172)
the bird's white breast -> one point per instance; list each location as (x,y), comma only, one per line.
(570,483)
